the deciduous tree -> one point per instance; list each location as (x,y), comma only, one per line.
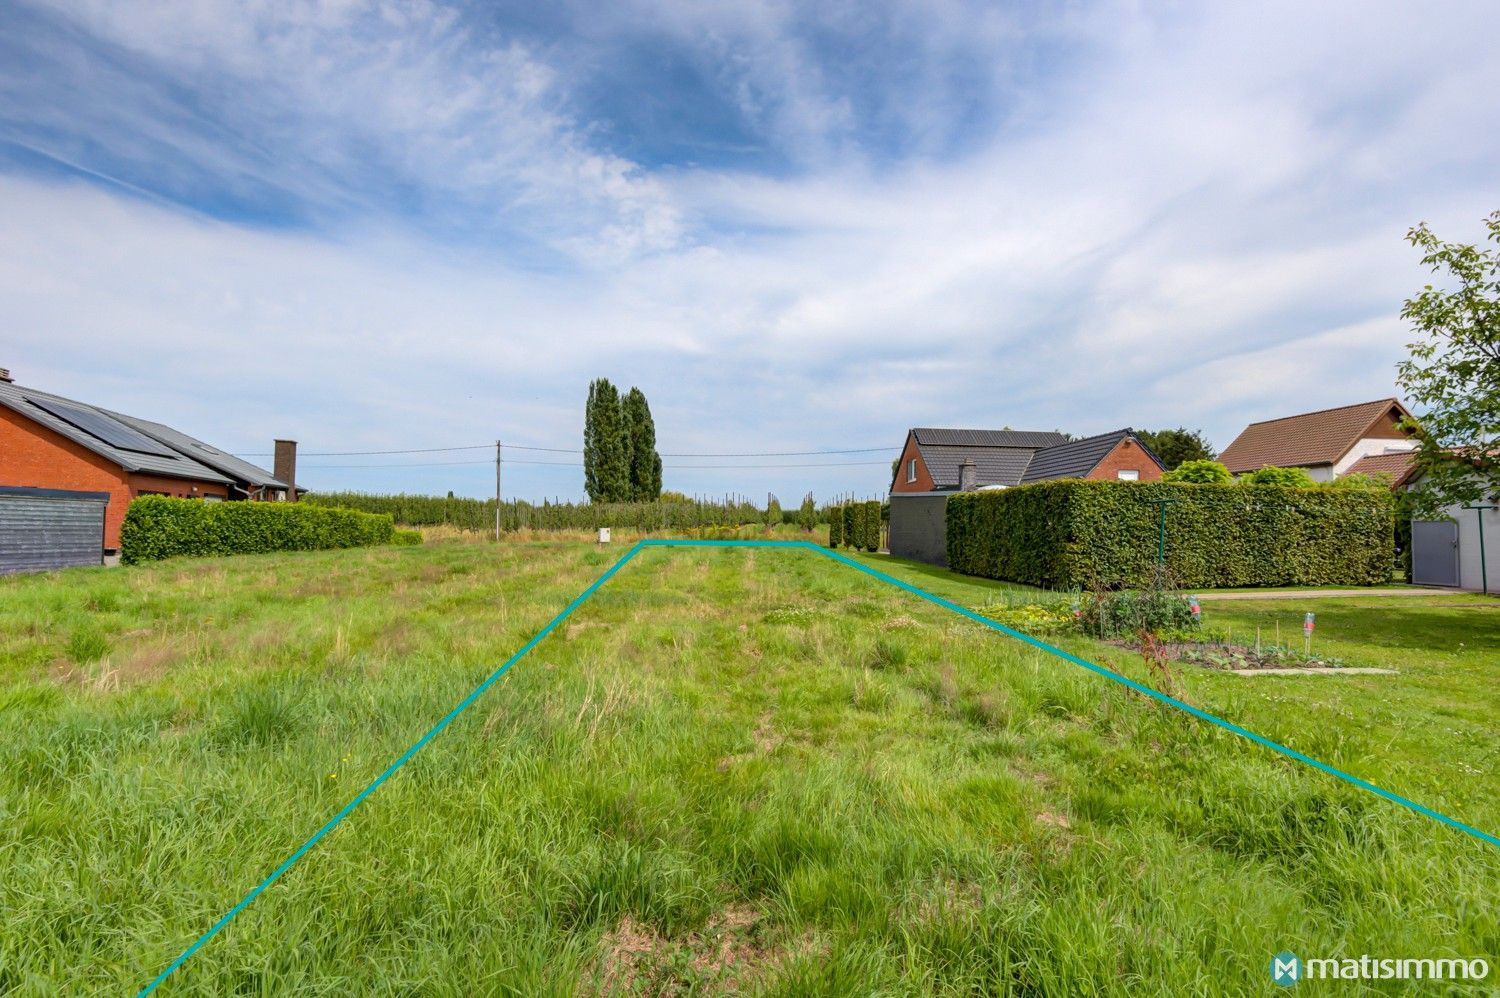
(807,513)
(1179,445)
(1199,473)
(1453,374)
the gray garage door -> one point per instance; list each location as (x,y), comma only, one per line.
(1434,553)
(42,529)
(919,528)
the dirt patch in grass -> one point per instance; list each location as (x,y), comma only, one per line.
(734,951)
(108,674)
(149,661)
(1053,819)
(766,741)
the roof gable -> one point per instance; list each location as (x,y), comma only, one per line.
(1000,456)
(1076,458)
(1308,439)
(1015,457)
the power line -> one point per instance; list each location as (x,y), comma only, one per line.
(579,464)
(789,453)
(372,453)
(566,450)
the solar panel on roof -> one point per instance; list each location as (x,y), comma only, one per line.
(111,431)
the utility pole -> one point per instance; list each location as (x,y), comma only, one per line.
(497,491)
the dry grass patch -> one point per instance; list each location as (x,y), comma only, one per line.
(736,950)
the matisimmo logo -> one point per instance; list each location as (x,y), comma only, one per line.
(1287,969)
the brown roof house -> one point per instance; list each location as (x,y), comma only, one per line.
(1365,438)
(935,463)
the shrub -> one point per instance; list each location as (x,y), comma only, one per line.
(773,511)
(807,513)
(1199,473)
(1381,480)
(1130,611)
(1032,618)
(406,538)
(1069,533)
(835,526)
(160,527)
(852,534)
(1286,478)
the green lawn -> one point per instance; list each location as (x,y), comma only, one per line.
(730,772)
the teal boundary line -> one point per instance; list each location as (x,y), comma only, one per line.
(583,597)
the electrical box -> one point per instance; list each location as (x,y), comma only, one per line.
(603,535)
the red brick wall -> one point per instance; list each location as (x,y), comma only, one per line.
(924,480)
(1127,456)
(33,456)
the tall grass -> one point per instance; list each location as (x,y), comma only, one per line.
(730,771)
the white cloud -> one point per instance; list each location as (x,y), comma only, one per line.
(1198,223)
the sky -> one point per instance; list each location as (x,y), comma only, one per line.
(797,227)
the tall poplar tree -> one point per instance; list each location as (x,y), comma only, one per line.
(606,461)
(645,462)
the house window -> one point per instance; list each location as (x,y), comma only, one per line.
(911,470)
(1129,476)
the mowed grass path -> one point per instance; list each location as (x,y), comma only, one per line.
(731,771)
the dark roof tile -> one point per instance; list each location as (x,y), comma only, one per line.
(1074,459)
(1031,439)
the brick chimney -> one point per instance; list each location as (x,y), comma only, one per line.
(968,476)
(286,466)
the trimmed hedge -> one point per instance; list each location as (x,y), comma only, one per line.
(835,526)
(1074,533)
(161,527)
(856,524)
(869,522)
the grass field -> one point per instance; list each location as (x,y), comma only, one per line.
(730,771)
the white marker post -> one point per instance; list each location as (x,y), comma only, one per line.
(1307,629)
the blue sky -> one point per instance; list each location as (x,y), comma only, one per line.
(797,227)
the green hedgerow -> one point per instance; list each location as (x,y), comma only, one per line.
(1071,533)
(159,527)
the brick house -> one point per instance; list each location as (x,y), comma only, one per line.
(1365,437)
(55,452)
(935,463)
